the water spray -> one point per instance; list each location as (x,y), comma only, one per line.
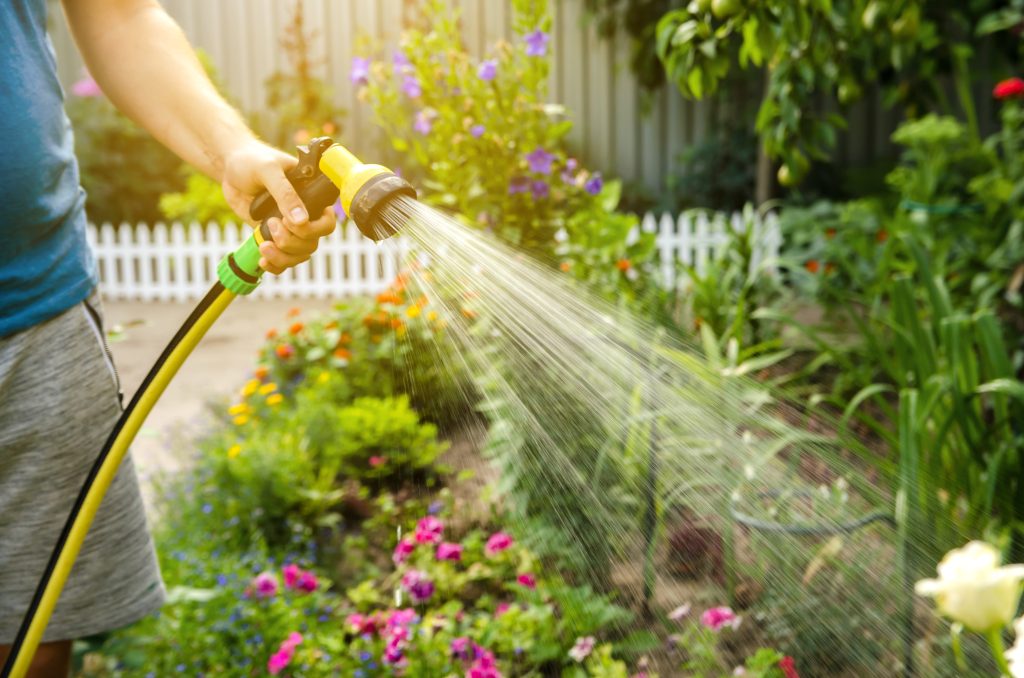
(325,173)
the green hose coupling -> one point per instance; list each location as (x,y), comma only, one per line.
(240,271)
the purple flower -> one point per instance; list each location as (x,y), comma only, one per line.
(424,121)
(594,185)
(411,87)
(339,211)
(265,585)
(418,585)
(86,87)
(400,62)
(360,73)
(488,70)
(540,161)
(518,185)
(540,189)
(434,508)
(449,551)
(537,43)
(477,131)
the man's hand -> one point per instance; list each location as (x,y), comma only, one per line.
(255,166)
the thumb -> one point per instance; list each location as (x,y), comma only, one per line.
(288,201)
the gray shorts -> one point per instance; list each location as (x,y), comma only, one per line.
(58,403)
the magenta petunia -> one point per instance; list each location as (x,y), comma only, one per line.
(402,551)
(537,43)
(716,618)
(496,543)
(449,551)
(290,574)
(418,585)
(377,461)
(429,530)
(307,582)
(528,580)
(265,585)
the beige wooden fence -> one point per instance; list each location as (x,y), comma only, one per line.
(614,130)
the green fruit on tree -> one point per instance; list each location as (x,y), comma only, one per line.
(848,92)
(703,6)
(723,9)
(906,27)
(785,176)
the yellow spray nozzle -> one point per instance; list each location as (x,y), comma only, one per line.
(364,189)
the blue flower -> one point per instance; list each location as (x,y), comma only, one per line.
(537,43)
(594,185)
(540,189)
(207,509)
(222,580)
(477,131)
(488,70)
(180,668)
(360,73)
(365,656)
(540,161)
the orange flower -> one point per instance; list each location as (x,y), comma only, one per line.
(396,323)
(296,328)
(343,354)
(422,301)
(345,338)
(388,297)
(882,236)
(294,311)
(565,266)
(812,265)
(830,233)
(468,313)
(623,265)
(261,372)
(284,351)
(271,333)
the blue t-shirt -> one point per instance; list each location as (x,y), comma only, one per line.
(45,263)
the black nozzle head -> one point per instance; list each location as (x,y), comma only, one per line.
(370,200)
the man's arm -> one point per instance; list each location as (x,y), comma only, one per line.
(145,65)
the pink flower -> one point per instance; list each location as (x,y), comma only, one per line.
(290,573)
(280,659)
(460,647)
(86,87)
(265,585)
(788,667)
(679,612)
(582,649)
(362,625)
(403,549)
(401,618)
(1012,87)
(377,461)
(718,617)
(527,580)
(449,551)
(501,609)
(307,582)
(293,639)
(428,531)
(498,542)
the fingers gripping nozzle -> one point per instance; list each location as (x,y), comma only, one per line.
(325,172)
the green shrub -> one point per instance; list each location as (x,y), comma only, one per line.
(202,201)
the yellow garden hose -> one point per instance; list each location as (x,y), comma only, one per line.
(324,169)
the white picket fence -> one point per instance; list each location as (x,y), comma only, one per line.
(178,262)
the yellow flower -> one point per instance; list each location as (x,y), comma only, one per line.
(250,387)
(268,388)
(237,409)
(234,451)
(274,399)
(413,311)
(323,378)
(240,419)
(432,316)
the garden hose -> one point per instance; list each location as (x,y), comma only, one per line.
(325,172)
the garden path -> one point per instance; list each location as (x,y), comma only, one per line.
(217,369)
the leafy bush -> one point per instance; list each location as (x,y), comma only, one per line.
(124,170)
(480,135)
(202,201)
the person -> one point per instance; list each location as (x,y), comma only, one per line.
(58,387)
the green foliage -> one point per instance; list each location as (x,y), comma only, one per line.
(639,19)
(202,201)
(124,170)
(464,128)
(717,172)
(383,437)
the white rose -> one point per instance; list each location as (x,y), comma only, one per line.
(973,589)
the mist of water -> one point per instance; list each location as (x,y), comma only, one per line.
(640,453)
